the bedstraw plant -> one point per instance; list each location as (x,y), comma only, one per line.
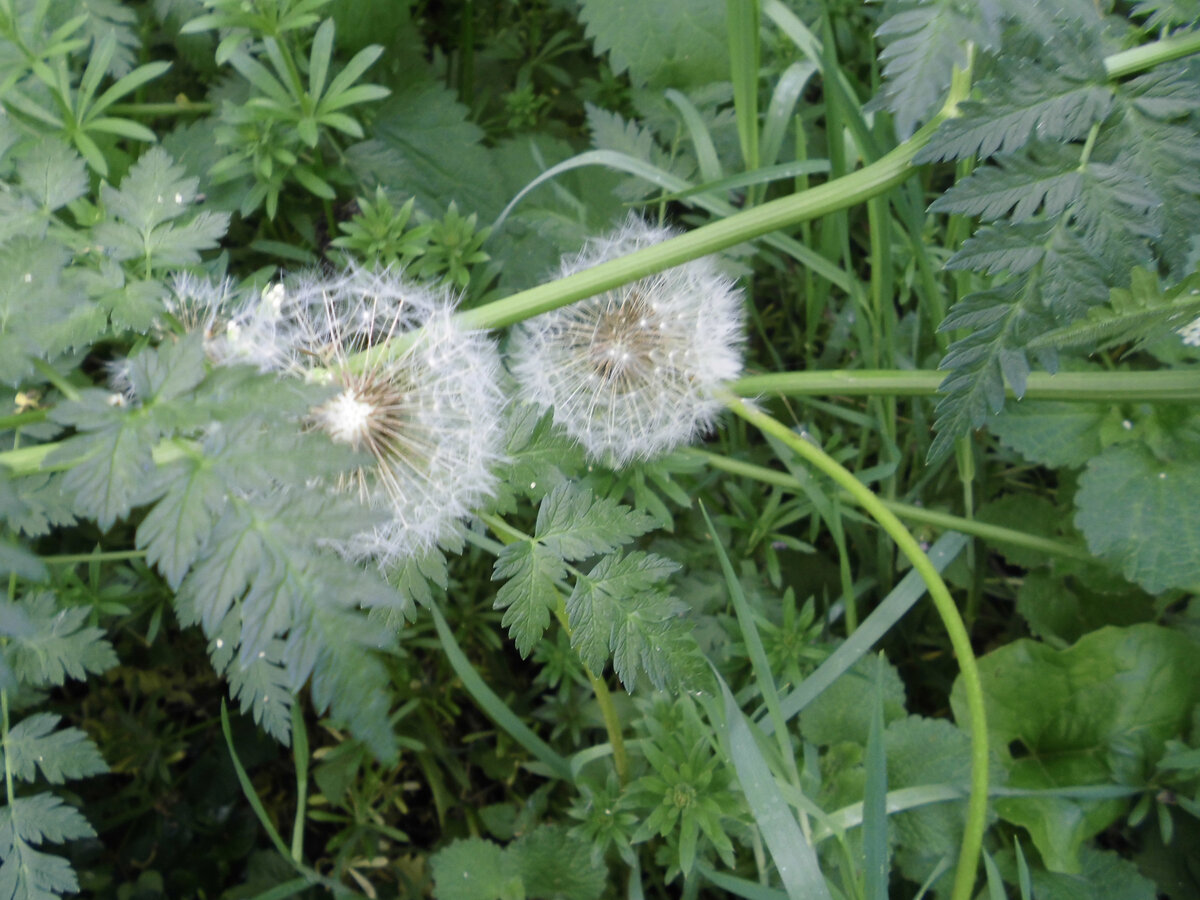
(537,547)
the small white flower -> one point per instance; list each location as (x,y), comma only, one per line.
(426,405)
(630,373)
(1190,333)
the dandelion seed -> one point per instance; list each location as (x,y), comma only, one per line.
(237,328)
(631,373)
(425,404)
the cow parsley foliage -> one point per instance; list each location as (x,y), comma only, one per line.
(1080,178)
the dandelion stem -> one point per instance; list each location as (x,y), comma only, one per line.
(968,860)
(1162,386)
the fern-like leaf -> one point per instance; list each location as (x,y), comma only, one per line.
(1139,315)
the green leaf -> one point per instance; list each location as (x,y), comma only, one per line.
(1139,511)
(672,43)
(475,869)
(179,525)
(1102,874)
(1030,99)
(923,43)
(38,305)
(1051,432)
(53,174)
(39,818)
(540,856)
(574,524)
(260,684)
(924,752)
(28,874)
(1061,610)
(622,608)
(531,592)
(58,647)
(155,194)
(1098,712)
(841,712)
(423,139)
(33,743)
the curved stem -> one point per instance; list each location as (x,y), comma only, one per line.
(1165,386)
(968,859)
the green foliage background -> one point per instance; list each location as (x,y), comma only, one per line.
(708,674)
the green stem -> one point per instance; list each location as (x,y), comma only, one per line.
(841,193)
(182,107)
(1147,56)
(73,559)
(1164,386)
(909,512)
(968,859)
(8,775)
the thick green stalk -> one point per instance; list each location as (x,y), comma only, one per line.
(968,859)
(1147,56)
(841,193)
(1164,386)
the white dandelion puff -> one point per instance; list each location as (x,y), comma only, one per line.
(238,327)
(631,373)
(426,404)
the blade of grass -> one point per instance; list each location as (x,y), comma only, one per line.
(893,608)
(742,20)
(300,753)
(764,678)
(739,887)
(793,855)
(491,704)
(960,641)
(875,843)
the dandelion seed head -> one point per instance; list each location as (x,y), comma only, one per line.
(631,373)
(237,326)
(419,394)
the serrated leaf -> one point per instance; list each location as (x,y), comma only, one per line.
(923,43)
(28,874)
(58,647)
(671,43)
(110,466)
(475,869)
(622,609)
(1030,101)
(52,174)
(37,304)
(1138,511)
(423,139)
(531,592)
(350,680)
(539,857)
(40,818)
(33,743)
(260,685)
(224,571)
(179,525)
(153,196)
(1050,432)
(575,524)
